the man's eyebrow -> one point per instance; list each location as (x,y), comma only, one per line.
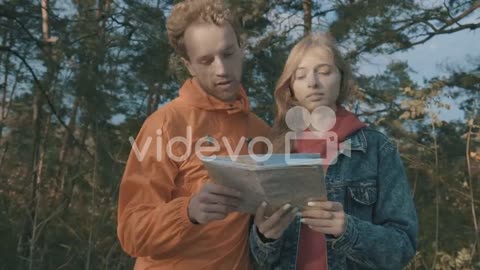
(323,65)
(204,57)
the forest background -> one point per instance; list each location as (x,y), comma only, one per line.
(79,77)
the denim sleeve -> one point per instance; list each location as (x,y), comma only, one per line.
(265,254)
(389,242)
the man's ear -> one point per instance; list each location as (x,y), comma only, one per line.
(189,67)
(242,52)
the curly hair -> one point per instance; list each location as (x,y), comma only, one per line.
(191,11)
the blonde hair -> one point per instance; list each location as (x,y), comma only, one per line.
(191,11)
(284,96)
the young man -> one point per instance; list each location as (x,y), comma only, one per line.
(169,215)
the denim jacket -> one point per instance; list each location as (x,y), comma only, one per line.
(381,225)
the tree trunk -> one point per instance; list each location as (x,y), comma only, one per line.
(4,85)
(307,16)
(65,149)
(37,198)
(34,171)
(153,99)
(45,20)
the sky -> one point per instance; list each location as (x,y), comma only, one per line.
(430,59)
(427,60)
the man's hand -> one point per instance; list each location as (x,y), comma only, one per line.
(213,202)
(273,227)
(325,217)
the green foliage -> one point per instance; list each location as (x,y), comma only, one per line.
(70,101)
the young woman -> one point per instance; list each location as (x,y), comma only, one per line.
(369,220)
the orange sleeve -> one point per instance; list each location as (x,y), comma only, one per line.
(150,222)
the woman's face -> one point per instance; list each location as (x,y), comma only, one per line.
(316,81)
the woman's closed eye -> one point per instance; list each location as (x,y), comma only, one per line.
(300,76)
(324,70)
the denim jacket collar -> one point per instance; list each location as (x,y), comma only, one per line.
(355,142)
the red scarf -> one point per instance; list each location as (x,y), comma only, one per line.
(312,246)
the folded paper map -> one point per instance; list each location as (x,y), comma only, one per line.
(281,179)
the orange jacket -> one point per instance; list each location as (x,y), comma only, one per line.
(156,188)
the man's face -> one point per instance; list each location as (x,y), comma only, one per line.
(215,59)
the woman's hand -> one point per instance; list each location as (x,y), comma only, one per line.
(326,217)
(272,227)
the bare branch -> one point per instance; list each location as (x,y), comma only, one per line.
(471,26)
(45,94)
(323,12)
